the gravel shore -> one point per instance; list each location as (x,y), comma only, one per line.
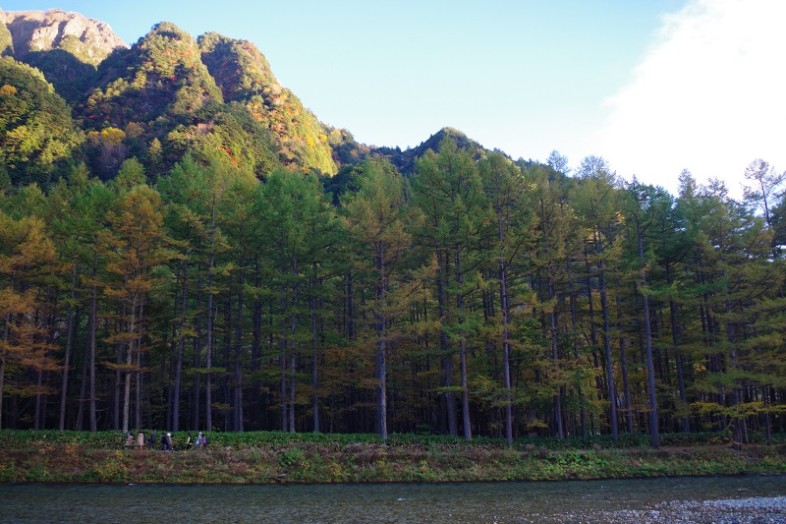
(753,510)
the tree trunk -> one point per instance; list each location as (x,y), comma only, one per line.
(37,418)
(256,350)
(139,377)
(92,329)
(314,351)
(556,399)
(626,386)
(445,350)
(678,361)
(80,411)
(3,353)
(181,341)
(652,393)
(68,347)
(505,311)
(582,401)
(293,321)
(116,411)
(210,318)
(283,362)
(350,306)
(129,361)
(380,361)
(238,386)
(196,408)
(615,432)
(466,423)
(2,384)
(292,384)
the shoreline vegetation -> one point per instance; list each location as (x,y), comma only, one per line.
(275,457)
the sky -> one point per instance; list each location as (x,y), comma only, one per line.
(653,87)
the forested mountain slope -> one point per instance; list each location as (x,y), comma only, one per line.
(244,76)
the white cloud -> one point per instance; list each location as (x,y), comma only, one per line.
(709,96)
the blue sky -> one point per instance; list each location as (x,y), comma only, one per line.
(652,86)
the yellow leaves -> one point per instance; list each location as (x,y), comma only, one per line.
(135,246)
(24,245)
(135,130)
(536,424)
(7,90)
(741,410)
(26,256)
(112,135)
(25,343)
(16,303)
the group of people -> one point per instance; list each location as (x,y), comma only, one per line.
(166,443)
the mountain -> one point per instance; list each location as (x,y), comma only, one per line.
(162,75)
(168,95)
(244,75)
(161,96)
(405,160)
(66,47)
(88,40)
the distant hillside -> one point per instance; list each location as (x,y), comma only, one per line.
(405,160)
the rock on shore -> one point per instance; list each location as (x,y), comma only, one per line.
(753,510)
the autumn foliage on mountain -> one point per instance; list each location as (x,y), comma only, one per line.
(184,245)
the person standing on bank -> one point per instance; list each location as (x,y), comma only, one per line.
(201,440)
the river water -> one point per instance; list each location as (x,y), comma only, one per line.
(637,500)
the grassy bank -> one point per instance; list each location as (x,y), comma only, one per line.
(271,457)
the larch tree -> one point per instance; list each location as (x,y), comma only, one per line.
(596,201)
(506,190)
(376,217)
(26,254)
(300,228)
(134,247)
(449,193)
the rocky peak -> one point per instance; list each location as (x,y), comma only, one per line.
(88,40)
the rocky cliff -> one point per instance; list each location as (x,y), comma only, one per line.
(88,40)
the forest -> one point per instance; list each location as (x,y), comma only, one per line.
(184,252)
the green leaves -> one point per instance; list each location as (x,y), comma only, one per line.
(36,130)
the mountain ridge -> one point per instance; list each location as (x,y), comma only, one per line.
(171,91)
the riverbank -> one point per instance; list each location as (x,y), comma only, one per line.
(281,458)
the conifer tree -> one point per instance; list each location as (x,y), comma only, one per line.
(376,219)
(134,247)
(449,194)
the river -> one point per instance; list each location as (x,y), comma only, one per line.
(754,499)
